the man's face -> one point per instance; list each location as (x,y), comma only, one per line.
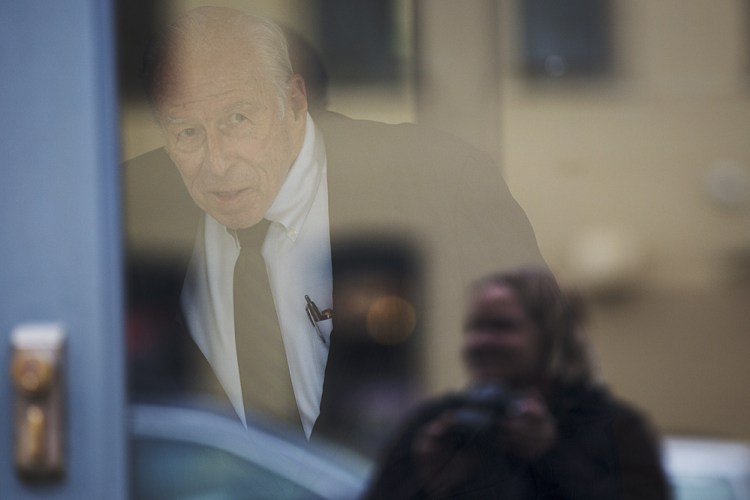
(230,134)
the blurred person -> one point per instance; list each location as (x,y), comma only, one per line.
(247,171)
(534,422)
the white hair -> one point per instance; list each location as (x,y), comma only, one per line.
(264,37)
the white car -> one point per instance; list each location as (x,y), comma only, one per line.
(707,469)
(184,453)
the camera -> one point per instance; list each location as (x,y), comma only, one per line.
(477,411)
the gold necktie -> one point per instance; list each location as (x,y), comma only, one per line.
(264,370)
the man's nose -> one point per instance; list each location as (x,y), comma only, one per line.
(218,157)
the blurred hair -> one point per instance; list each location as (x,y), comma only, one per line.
(559,318)
(264,38)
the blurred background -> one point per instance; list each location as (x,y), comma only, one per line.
(620,126)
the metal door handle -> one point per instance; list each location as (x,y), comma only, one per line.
(36,371)
(31,446)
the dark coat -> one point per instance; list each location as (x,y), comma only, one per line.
(605,450)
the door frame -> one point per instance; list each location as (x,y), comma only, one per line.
(60,252)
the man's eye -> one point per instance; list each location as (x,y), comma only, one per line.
(187,133)
(236,118)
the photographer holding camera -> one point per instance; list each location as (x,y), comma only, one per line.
(534,423)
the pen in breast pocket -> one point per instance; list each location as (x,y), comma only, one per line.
(315,315)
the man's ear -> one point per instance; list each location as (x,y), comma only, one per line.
(297,96)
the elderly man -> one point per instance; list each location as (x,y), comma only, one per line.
(266,180)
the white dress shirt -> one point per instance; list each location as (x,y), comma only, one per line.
(297,252)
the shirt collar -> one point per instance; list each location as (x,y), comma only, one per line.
(293,202)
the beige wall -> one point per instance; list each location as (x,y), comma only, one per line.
(627,160)
(614,176)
